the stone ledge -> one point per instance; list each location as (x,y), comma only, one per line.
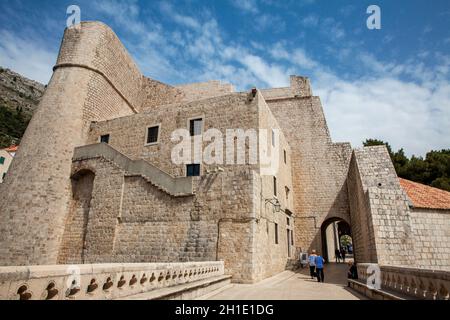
(372,293)
(184,291)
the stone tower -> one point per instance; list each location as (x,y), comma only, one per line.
(94,79)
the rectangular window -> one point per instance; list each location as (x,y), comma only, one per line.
(193,170)
(288,222)
(104,138)
(285,157)
(2,160)
(287,192)
(276,233)
(195,127)
(275,186)
(152,134)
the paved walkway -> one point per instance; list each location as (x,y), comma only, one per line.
(290,285)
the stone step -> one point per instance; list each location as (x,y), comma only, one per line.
(211,294)
(188,291)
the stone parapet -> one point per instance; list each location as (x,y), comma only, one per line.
(412,282)
(99,281)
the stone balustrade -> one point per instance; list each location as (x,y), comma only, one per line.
(99,281)
(412,282)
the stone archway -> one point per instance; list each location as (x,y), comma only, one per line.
(73,243)
(332,231)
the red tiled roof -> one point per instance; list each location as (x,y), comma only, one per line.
(423,196)
(12,149)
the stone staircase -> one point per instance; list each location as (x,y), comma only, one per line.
(174,186)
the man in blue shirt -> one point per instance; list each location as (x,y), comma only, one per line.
(319,268)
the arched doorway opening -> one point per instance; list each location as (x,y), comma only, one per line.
(336,235)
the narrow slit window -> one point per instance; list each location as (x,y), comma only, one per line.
(275,186)
(276,233)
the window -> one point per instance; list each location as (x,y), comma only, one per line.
(287,192)
(285,157)
(195,127)
(273,138)
(288,222)
(152,135)
(2,160)
(275,186)
(104,138)
(193,170)
(276,233)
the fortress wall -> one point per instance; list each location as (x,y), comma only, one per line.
(319,167)
(204,90)
(157,93)
(431,230)
(94,79)
(97,47)
(363,235)
(389,209)
(270,257)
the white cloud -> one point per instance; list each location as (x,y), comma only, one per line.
(248,6)
(26,56)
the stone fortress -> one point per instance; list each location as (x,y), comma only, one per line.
(93,182)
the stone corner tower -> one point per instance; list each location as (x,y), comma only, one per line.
(94,79)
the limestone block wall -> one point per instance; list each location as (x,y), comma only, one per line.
(431,230)
(386,206)
(271,256)
(203,90)
(319,167)
(157,93)
(94,79)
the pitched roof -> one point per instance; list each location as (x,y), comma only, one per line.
(423,196)
(12,149)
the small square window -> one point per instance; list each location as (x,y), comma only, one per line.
(195,127)
(2,160)
(152,134)
(104,138)
(193,170)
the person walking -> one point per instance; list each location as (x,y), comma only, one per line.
(312,264)
(337,254)
(343,254)
(319,268)
(352,272)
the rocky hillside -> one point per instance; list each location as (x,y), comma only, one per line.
(19,98)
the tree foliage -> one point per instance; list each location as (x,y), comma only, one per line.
(12,126)
(434,170)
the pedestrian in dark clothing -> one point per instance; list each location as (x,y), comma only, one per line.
(352,271)
(337,253)
(343,254)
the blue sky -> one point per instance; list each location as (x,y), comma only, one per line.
(391,84)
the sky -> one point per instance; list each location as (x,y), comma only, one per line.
(391,83)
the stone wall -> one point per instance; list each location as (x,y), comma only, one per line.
(204,90)
(319,166)
(432,238)
(388,211)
